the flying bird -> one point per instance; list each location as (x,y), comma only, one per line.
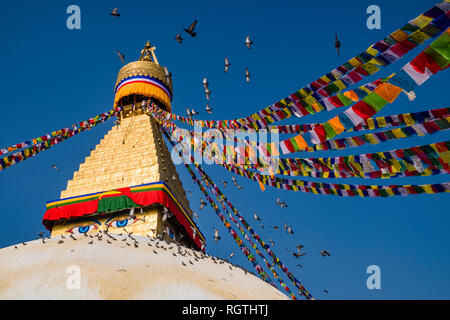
(224,183)
(205,83)
(231,255)
(207,93)
(202,203)
(54,166)
(281,204)
(324,253)
(179,38)
(295,254)
(247,75)
(195,214)
(274,227)
(272,243)
(299,247)
(227,64)
(236,184)
(216,235)
(337,44)
(255,216)
(191,28)
(248,42)
(121,56)
(289,230)
(114,13)
(208,109)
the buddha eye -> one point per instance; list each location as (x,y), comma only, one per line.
(83,229)
(121,223)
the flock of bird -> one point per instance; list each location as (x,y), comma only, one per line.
(191,31)
(287,228)
(191,112)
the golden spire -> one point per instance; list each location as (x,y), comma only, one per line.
(145,53)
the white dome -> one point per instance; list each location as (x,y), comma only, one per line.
(118,271)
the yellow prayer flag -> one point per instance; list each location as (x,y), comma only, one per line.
(381,121)
(372,51)
(419,36)
(370,123)
(421,21)
(354,62)
(325,78)
(408,119)
(399,35)
(398,133)
(340,84)
(428,189)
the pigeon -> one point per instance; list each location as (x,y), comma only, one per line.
(236,184)
(194,232)
(179,38)
(297,255)
(205,83)
(114,13)
(202,203)
(224,183)
(216,235)
(91,242)
(191,28)
(337,44)
(289,230)
(121,56)
(231,255)
(248,42)
(54,166)
(281,204)
(247,75)
(40,234)
(155,251)
(182,262)
(208,109)
(255,216)
(207,93)
(227,64)
(131,213)
(324,253)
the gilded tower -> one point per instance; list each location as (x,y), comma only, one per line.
(129,182)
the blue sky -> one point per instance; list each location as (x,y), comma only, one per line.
(53,77)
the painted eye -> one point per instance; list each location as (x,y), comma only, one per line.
(82,229)
(121,223)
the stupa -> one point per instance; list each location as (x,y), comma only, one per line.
(123,229)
